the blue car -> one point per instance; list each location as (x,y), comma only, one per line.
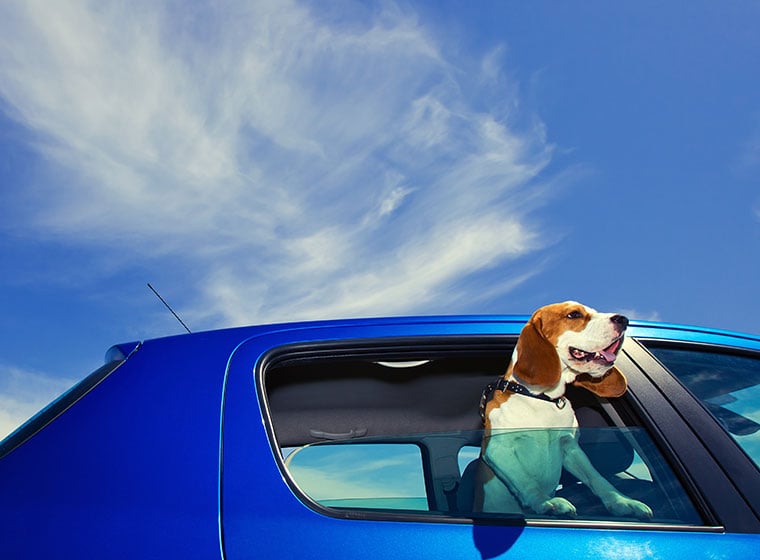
(357,439)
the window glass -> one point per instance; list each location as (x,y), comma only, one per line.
(379,474)
(727,384)
(369,475)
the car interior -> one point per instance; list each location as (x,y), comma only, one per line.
(427,393)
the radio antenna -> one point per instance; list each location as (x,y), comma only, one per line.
(181,322)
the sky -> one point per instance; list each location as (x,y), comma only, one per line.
(278,160)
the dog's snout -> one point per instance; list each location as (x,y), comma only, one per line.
(620,320)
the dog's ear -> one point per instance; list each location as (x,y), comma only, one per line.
(537,361)
(613,384)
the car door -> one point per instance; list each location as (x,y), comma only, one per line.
(265,512)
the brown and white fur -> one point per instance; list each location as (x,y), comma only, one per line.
(561,343)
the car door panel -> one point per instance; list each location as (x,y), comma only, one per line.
(262,516)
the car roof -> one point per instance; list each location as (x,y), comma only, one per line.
(656,330)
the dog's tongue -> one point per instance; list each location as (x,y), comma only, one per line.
(610,353)
(607,355)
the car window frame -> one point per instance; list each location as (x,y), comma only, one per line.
(728,480)
(115,357)
(713,350)
(406,348)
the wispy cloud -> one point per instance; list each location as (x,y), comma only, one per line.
(378,471)
(296,164)
(641,315)
(23,393)
(747,159)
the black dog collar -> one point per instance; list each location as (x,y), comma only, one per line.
(518,389)
(503,384)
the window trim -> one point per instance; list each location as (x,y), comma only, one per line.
(69,398)
(704,421)
(409,347)
(726,478)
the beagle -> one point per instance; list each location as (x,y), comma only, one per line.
(530,427)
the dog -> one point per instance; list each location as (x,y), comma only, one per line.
(521,466)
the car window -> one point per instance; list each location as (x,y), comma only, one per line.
(377,474)
(383,475)
(728,385)
(382,434)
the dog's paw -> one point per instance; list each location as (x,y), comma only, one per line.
(557,506)
(623,506)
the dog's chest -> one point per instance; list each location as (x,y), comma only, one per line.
(525,412)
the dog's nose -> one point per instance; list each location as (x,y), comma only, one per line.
(620,320)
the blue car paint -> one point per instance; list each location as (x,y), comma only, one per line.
(261,503)
(667,331)
(130,470)
(137,469)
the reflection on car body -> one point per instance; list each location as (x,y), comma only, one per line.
(357,437)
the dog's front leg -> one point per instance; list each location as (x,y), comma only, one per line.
(517,471)
(579,465)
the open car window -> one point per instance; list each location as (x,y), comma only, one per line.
(395,432)
(388,474)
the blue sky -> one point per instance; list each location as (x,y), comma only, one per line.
(278,160)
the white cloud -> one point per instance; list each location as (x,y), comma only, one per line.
(641,315)
(23,393)
(300,165)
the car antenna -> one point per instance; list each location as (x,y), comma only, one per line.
(152,289)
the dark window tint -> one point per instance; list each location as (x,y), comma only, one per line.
(728,385)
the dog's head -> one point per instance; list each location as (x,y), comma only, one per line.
(573,338)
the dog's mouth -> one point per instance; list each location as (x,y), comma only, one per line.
(606,356)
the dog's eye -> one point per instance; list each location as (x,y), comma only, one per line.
(575,315)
